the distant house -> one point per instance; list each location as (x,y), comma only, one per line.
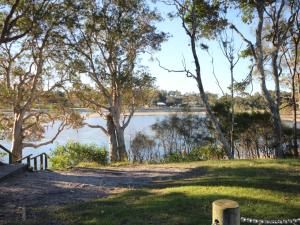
(161,104)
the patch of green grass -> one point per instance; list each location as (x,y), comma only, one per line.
(265,189)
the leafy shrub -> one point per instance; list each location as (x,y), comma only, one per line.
(196,154)
(174,157)
(142,149)
(74,153)
(208,152)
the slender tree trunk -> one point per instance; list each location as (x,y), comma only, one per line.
(257,149)
(17,137)
(232,112)
(295,142)
(298,79)
(220,135)
(273,106)
(275,111)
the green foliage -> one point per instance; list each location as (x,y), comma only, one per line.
(207,17)
(142,148)
(74,153)
(180,133)
(196,154)
(206,152)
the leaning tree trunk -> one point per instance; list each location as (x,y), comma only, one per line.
(17,137)
(220,135)
(273,105)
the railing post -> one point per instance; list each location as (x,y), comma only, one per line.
(41,162)
(46,162)
(10,160)
(34,164)
(28,161)
(225,212)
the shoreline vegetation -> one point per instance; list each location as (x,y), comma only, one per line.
(286,118)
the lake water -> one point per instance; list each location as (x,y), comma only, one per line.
(89,135)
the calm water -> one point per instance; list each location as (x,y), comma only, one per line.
(91,135)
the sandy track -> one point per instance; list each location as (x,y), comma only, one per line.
(54,188)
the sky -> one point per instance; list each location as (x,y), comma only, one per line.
(176,48)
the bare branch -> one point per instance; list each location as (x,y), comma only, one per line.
(187,72)
(97,126)
(32,145)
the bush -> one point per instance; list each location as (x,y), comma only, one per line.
(142,149)
(209,152)
(196,154)
(174,157)
(74,153)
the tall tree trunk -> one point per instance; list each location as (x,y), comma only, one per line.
(17,137)
(232,112)
(273,106)
(295,141)
(276,112)
(220,135)
(119,130)
(113,146)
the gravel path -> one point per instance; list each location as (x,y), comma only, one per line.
(39,189)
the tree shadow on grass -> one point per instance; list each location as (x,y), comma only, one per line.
(272,179)
(48,193)
(144,207)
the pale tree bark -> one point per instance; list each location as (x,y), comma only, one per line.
(278,36)
(25,89)
(190,30)
(113,145)
(17,136)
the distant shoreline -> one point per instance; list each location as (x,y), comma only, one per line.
(152,113)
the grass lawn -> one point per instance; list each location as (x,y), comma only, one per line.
(265,189)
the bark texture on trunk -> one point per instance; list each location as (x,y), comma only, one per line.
(17,137)
(113,147)
(121,144)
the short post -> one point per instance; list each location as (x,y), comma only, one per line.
(46,161)
(28,161)
(10,158)
(34,164)
(225,212)
(41,162)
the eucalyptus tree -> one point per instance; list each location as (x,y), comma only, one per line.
(201,20)
(25,65)
(106,42)
(272,22)
(15,21)
(292,59)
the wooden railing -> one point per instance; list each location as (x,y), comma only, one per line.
(42,158)
(10,159)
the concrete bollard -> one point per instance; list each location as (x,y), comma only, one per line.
(225,212)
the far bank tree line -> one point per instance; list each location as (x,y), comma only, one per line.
(92,50)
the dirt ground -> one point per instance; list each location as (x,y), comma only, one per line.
(39,189)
